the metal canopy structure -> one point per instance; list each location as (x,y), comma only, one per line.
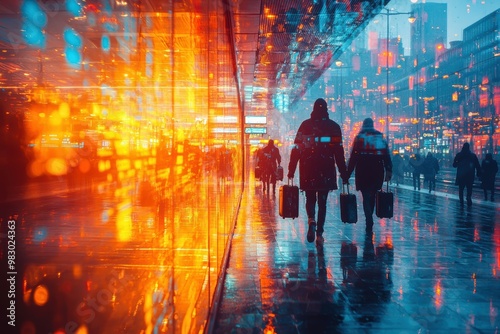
(281,47)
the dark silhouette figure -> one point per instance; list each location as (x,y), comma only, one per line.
(398,167)
(467,166)
(489,168)
(371,161)
(430,168)
(416,163)
(269,160)
(318,148)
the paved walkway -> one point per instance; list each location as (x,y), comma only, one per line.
(433,268)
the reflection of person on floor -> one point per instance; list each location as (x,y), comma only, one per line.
(322,312)
(368,282)
(318,304)
(467,165)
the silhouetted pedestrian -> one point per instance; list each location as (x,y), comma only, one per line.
(430,168)
(398,167)
(269,160)
(416,163)
(489,169)
(467,166)
(371,161)
(318,148)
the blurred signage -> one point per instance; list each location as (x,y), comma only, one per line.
(255,120)
(224,130)
(224,119)
(259,130)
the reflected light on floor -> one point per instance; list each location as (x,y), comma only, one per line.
(438,298)
(270,327)
(124,222)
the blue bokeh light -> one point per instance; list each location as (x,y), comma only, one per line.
(105,43)
(72,37)
(74,7)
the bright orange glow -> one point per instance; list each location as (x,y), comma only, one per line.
(438,298)
(56,166)
(124,221)
(41,295)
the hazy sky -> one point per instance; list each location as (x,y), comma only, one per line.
(461,14)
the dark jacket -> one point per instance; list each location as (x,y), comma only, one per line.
(370,159)
(318,148)
(430,167)
(467,166)
(489,170)
(416,162)
(269,158)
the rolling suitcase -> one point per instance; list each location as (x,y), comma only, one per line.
(279,173)
(258,172)
(384,201)
(289,201)
(348,207)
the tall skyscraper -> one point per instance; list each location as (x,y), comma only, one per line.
(429,31)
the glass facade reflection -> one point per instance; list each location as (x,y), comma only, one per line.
(126,164)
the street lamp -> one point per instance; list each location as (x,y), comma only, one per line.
(411,19)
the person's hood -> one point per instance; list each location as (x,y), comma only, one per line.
(367,125)
(320,109)
(319,114)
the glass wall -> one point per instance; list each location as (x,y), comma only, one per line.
(132,146)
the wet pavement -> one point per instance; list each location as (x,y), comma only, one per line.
(99,259)
(114,267)
(433,268)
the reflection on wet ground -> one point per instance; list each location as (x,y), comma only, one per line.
(107,260)
(104,257)
(432,268)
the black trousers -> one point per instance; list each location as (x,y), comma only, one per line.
(313,196)
(416,180)
(461,187)
(369,203)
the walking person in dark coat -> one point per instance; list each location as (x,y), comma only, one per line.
(489,169)
(318,148)
(416,163)
(371,161)
(430,168)
(467,166)
(398,168)
(270,159)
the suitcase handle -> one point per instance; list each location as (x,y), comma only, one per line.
(289,181)
(345,186)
